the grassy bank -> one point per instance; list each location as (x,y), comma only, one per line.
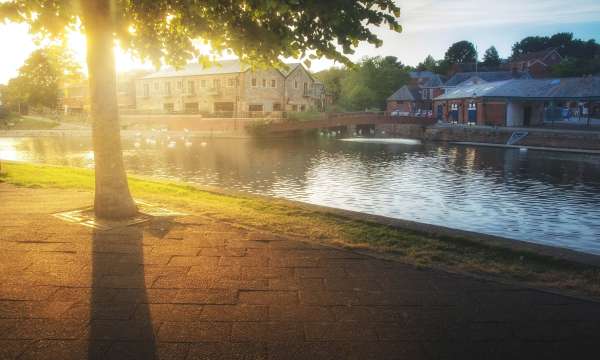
(452,253)
(15,122)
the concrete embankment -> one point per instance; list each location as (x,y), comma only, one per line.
(551,138)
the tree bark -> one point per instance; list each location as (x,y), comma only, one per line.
(112,198)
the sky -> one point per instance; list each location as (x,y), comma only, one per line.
(429,27)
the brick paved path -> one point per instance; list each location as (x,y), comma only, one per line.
(194,288)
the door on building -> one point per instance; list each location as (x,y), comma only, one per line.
(472,113)
(527,116)
(440,112)
(454,113)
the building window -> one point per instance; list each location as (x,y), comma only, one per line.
(216,83)
(191,107)
(302,107)
(264,83)
(295,84)
(230,82)
(255,107)
(202,83)
(168,107)
(253,82)
(276,107)
(191,87)
(273,83)
(146,90)
(237,82)
(305,88)
(179,85)
(168,88)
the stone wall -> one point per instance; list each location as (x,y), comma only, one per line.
(539,137)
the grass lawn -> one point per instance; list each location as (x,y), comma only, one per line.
(451,253)
(15,122)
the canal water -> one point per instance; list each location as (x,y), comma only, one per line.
(544,197)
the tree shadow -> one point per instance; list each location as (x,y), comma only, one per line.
(121,323)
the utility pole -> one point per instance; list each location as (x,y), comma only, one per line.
(476,58)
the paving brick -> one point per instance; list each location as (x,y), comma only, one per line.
(48,329)
(211,296)
(125,330)
(267,331)
(268,297)
(12,349)
(33,309)
(234,313)
(194,331)
(66,350)
(328,298)
(338,331)
(193,261)
(300,313)
(228,351)
(197,288)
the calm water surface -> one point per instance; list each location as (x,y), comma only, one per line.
(544,197)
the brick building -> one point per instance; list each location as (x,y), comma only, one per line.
(229,88)
(75,97)
(538,64)
(416,97)
(519,102)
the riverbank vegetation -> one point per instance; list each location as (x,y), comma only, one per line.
(372,80)
(446,252)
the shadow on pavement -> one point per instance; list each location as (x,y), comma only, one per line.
(121,323)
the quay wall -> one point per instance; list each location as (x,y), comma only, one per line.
(575,139)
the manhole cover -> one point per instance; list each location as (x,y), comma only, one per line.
(86,217)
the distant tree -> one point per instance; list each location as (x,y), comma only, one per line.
(529,44)
(41,78)
(491,58)
(462,52)
(579,57)
(259,32)
(369,83)
(429,64)
(332,79)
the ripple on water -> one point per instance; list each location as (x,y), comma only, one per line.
(544,197)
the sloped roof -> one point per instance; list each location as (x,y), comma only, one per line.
(433,81)
(221,67)
(534,55)
(406,93)
(487,76)
(541,89)
(422,74)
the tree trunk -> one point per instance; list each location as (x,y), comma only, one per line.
(112,198)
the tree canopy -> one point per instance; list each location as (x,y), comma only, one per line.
(428,64)
(259,32)
(41,78)
(491,58)
(580,57)
(366,85)
(462,52)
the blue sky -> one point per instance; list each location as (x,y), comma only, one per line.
(430,26)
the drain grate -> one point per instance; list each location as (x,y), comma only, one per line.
(86,217)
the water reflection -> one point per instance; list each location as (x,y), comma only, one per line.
(545,197)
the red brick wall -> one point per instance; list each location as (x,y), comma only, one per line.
(398,105)
(491,113)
